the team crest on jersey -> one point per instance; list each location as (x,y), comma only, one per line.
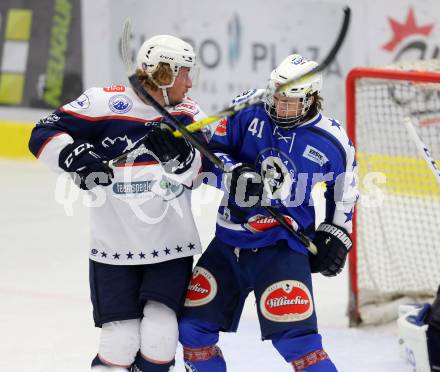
(202,288)
(120,104)
(260,223)
(221,128)
(81,103)
(276,176)
(114,88)
(278,172)
(286,301)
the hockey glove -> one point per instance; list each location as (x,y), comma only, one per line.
(175,154)
(246,187)
(87,167)
(333,244)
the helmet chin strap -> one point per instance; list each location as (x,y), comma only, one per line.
(165,96)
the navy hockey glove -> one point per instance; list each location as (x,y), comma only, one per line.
(175,154)
(246,186)
(333,243)
(88,168)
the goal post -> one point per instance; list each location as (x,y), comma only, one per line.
(396,227)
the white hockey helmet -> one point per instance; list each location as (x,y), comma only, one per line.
(167,49)
(291,67)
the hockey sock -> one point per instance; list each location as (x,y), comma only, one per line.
(204,359)
(143,365)
(303,349)
(200,352)
(316,361)
(98,364)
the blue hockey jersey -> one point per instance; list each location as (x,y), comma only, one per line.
(291,163)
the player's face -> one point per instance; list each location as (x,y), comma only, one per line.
(287,107)
(181,86)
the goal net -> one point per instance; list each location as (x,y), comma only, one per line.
(396,254)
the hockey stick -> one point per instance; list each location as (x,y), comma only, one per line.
(175,124)
(233,109)
(257,98)
(422,148)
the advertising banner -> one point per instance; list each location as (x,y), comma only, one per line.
(238,44)
(401,31)
(40,52)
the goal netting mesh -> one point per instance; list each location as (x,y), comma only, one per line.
(397,256)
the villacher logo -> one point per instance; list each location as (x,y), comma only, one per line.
(286,301)
(202,288)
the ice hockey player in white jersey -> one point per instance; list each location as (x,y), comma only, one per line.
(143,236)
(277,150)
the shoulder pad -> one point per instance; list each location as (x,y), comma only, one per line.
(101,102)
(188,106)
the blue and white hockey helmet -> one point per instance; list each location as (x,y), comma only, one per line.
(290,68)
(167,49)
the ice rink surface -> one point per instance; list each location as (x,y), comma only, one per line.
(45,313)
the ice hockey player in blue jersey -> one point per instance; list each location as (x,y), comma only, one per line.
(143,235)
(277,151)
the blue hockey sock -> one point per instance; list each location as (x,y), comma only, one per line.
(143,365)
(316,361)
(303,349)
(200,353)
(204,359)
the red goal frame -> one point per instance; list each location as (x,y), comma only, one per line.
(353,76)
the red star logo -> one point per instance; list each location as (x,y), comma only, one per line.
(403,30)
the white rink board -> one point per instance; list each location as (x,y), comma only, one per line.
(45,318)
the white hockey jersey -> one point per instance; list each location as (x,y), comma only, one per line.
(145,216)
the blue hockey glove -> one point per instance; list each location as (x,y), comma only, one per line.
(87,167)
(175,154)
(333,243)
(246,186)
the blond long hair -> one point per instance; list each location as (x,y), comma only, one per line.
(162,75)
